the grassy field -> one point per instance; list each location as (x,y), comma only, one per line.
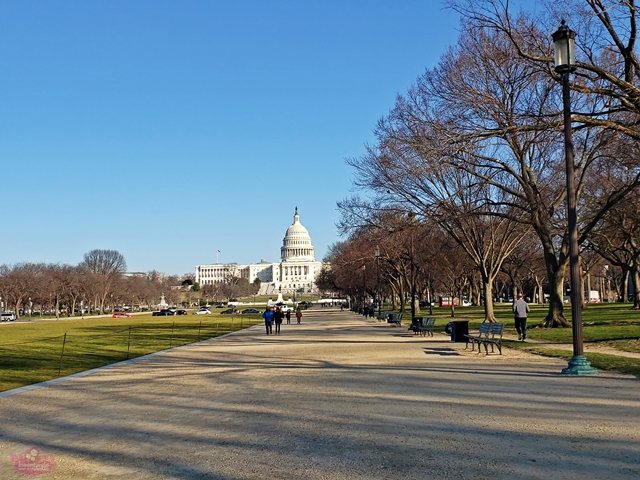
(33,352)
(613,325)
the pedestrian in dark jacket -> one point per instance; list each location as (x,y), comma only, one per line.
(520,309)
(288,316)
(278,316)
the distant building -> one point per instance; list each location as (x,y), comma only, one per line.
(296,270)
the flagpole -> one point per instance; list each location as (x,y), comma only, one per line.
(217,253)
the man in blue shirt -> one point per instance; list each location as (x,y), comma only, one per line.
(268,319)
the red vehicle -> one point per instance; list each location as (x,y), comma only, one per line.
(446,302)
(121,315)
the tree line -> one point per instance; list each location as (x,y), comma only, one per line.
(96,284)
(464,183)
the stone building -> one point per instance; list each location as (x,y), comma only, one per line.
(296,270)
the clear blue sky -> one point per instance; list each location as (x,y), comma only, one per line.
(168,130)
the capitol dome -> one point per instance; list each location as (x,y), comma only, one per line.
(296,245)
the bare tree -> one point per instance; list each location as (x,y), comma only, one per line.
(493,115)
(607,58)
(17,283)
(617,239)
(106,266)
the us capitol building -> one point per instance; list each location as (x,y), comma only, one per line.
(296,270)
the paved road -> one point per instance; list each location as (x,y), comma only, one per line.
(338,397)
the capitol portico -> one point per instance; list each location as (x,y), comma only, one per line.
(296,270)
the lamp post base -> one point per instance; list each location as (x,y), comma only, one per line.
(579,365)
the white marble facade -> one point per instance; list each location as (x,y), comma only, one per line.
(296,270)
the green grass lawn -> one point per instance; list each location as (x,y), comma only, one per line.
(32,352)
(614,325)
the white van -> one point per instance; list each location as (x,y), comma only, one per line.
(7,317)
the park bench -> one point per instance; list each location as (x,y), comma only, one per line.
(494,338)
(477,337)
(395,319)
(415,325)
(488,334)
(425,326)
(384,316)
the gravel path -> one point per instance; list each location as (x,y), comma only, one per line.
(338,397)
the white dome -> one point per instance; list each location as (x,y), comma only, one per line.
(297,230)
(296,245)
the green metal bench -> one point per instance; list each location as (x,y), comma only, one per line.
(425,326)
(488,334)
(494,338)
(395,319)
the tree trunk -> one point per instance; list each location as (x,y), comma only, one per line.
(555,318)
(17,306)
(416,304)
(555,277)
(634,277)
(394,298)
(540,291)
(401,295)
(487,287)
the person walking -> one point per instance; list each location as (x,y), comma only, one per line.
(278,316)
(520,309)
(298,315)
(268,319)
(288,316)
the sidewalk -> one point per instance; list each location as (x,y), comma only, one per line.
(337,397)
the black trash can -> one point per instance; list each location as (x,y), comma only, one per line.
(457,330)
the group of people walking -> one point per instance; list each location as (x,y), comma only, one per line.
(275,315)
(368,310)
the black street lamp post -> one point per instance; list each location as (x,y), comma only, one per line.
(364,285)
(378,281)
(413,270)
(563,42)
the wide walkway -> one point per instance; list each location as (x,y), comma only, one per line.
(338,397)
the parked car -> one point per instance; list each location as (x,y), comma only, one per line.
(202,311)
(228,311)
(121,315)
(163,313)
(250,310)
(284,307)
(466,303)
(7,317)
(181,312)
